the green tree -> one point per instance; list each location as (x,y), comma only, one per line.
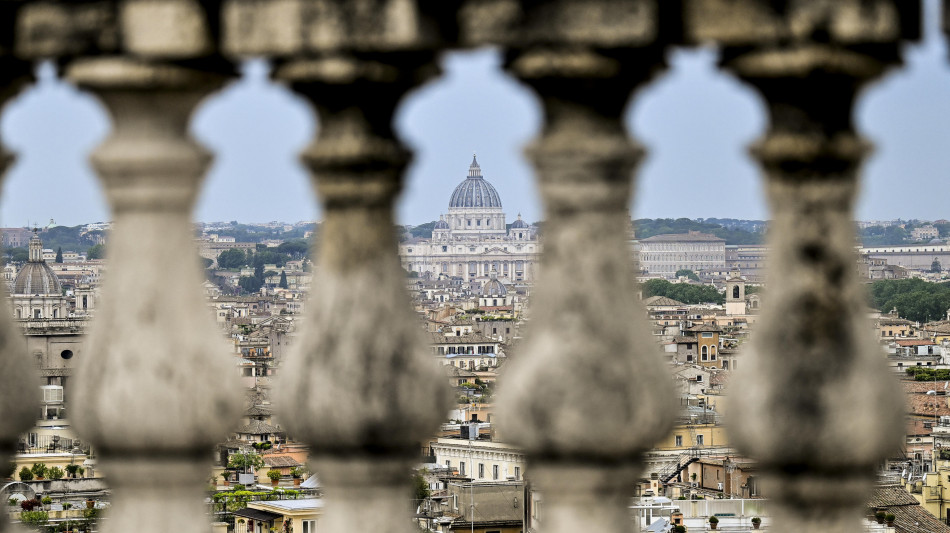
(231,259)
(16,255)
(422,230)
(297,248)
(250,283)
(206,262)
(688,273)
(97,251)
(935,267)
(59,255)
(283,280)
(245,460)
(420,488)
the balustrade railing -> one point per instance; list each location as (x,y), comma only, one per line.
(588,394)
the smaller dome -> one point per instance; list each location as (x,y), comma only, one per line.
(36,277)
(493,287)
(519,224)
(441,224)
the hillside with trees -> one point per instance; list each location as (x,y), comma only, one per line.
(735,234)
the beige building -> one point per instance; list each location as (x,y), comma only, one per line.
(664,255)
(473,240)
(482,461)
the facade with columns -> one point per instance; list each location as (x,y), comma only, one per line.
(587,394)
(473,240)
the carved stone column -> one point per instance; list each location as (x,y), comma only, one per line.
(157,389)
(587,392)
(360,387)
(814,401)
(19,381)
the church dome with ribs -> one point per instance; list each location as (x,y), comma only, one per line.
(36,278)
(475,191)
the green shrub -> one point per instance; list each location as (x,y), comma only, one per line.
(39,470)
(273,474)
(47,500)
(34,518)
(55,473)
(26,474)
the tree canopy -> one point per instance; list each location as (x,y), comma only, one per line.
(648,227)
(915,299)
(683,292)
(231,259)
(423,230)
(688,273)
(98,251)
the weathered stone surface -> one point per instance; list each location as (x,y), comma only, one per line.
(165,28)
(51,29)
(809,401)
(287,27)
(157,389)
(756,22)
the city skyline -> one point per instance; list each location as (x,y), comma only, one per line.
(695,121)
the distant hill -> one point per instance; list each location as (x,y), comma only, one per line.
(734,231)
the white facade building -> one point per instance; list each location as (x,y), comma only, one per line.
(473,239)
(666,254)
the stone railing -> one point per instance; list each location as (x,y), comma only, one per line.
(588,394)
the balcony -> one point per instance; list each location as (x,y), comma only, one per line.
(589,395)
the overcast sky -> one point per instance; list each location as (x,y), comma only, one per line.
(695,121)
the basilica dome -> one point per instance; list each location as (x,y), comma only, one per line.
(475,191)
(519,224)
(36,278)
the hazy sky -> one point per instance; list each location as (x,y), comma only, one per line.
(696,122)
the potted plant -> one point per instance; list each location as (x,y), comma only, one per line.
(756,522)
(296,474)
(26,474)
(713,522)
(879,516)
(39,470)
(81,471)
(889,518)
(46,501)
(274,476)
(226,476)
(55,473)
(71,470)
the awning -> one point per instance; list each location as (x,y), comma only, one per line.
(257,514)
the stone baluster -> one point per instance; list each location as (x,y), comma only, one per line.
(587,392)
(19,382)
(814,402)
(157,389)
(360,387)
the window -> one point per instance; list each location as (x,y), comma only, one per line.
(445,248)
(461,468)
(481,470)
(478,222)
(707,335)
(699,440)
(409,250)
(679,440)
(309,526)
(518,473)
(448,463)
(494,471)
(699,378)
(66,354)
(705,353)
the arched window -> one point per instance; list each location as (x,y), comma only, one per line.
(735,292)
(705,353)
